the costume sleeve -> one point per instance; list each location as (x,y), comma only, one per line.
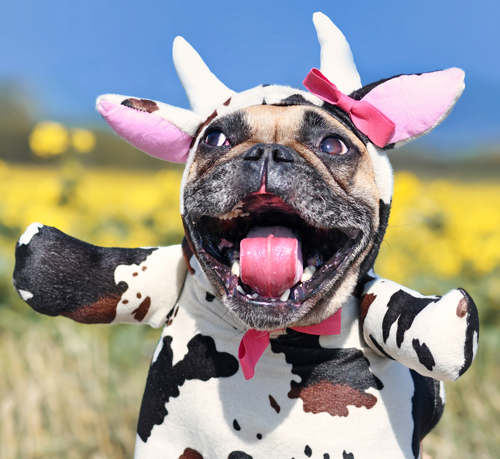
(435,336)
(57,274)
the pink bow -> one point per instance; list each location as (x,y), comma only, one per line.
(254,342)
(368,119)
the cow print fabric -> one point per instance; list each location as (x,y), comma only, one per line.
(239,455)
(402,308)
(50,267)
(472,334)
(143,105)
(331,379)
(427,408)
(202,362)
(424,354)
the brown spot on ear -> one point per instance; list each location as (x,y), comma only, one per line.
(142,310)
(334,399)
(103,311)
(462,308)
(188,253)
(274,404)
(143,105)
(207,121)
(190,454)
(366,302)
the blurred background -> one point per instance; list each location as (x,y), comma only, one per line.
(73,391)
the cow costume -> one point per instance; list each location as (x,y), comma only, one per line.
(362,381)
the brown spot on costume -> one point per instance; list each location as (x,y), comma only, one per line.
(274,404)
(190,454)
(462,308)
(103,311)
(334,399)
(144,105)
(366,303)
(142,310)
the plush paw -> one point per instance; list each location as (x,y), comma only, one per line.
(57,274)
(436,336)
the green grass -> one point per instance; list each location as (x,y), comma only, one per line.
(73,391)
(471,421)
(70,390)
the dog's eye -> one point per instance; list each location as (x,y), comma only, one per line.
(216,139)
(333,146)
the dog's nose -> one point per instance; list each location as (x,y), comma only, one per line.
(270,151)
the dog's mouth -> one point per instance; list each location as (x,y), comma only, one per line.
(265,253)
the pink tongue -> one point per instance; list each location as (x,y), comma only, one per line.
(270,260)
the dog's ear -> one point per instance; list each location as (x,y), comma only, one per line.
(158,129)
(162,130)
(416,104)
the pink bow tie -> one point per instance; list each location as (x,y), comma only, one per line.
(368,119)
(254,342)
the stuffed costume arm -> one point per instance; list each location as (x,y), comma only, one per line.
(435,336)
(57,274)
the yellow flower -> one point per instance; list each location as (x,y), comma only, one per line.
(82,140)
(48,139)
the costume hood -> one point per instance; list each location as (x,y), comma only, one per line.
(416,104)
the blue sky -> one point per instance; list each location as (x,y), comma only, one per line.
(65,53)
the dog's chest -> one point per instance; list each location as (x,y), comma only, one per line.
(311,396)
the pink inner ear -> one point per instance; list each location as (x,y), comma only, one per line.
(417,103)
(151,134)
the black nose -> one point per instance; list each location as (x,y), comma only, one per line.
(270,151)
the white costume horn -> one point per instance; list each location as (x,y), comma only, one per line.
(337,63)
(204,91)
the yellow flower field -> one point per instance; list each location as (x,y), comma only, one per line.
(103,207)
(439,230)
(443,226)
(445,234)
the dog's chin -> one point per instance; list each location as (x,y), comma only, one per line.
(331,260)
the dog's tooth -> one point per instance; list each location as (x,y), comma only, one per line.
(235,268)
(236,212)
(240,289)
(228,216)
(308,273)
(286,295)
(255,296)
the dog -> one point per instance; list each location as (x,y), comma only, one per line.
(279,340)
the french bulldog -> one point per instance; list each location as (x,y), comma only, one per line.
(279,340)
